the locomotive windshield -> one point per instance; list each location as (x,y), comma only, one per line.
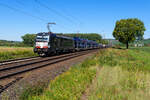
(42,38)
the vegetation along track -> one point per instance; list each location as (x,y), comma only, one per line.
(12,69)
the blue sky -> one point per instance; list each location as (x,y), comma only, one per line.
(19,17)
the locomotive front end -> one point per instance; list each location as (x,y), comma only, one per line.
(42,44)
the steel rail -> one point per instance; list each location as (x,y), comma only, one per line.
(11,61)
(34,62)
(34,66)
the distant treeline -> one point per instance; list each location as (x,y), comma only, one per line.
(29,39)
(146,42)
(11,43)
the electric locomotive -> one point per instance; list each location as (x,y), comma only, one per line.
(49,44)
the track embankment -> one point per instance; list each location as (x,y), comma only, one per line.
(14,77)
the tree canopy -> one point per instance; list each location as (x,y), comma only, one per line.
(128,30)
(29,39)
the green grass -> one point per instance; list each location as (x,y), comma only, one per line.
(7,53)
(68,86)
(117,74)
(125,75)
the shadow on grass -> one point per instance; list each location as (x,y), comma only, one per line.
(120,48)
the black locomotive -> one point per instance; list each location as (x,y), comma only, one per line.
(49,44)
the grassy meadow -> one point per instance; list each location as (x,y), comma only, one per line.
(7,53)
(123,75)
(112,74)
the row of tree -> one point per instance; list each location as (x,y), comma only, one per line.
(11,43)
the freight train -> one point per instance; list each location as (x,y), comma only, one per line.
(50,44)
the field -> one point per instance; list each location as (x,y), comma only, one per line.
(112,74)
(124,75)
(15,52)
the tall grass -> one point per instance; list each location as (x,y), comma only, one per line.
(7,53)
(125,75)
(132,59)
(68,86)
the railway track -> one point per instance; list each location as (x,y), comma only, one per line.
(11,61)
(11,69)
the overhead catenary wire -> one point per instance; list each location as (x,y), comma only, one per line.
(28,14)
(54,11)
(23,12)
(19,2)
(72,17)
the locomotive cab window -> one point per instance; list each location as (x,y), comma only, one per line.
(42,38)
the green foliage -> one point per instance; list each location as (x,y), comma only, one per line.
(104,41)
(29,39)
(146,42)
(133,59)
(128,30)
(11,43)
(35,90)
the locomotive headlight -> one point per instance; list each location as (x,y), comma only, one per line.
(38,47)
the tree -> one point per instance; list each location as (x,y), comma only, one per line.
(103,41)
(29,39)
(128,30)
